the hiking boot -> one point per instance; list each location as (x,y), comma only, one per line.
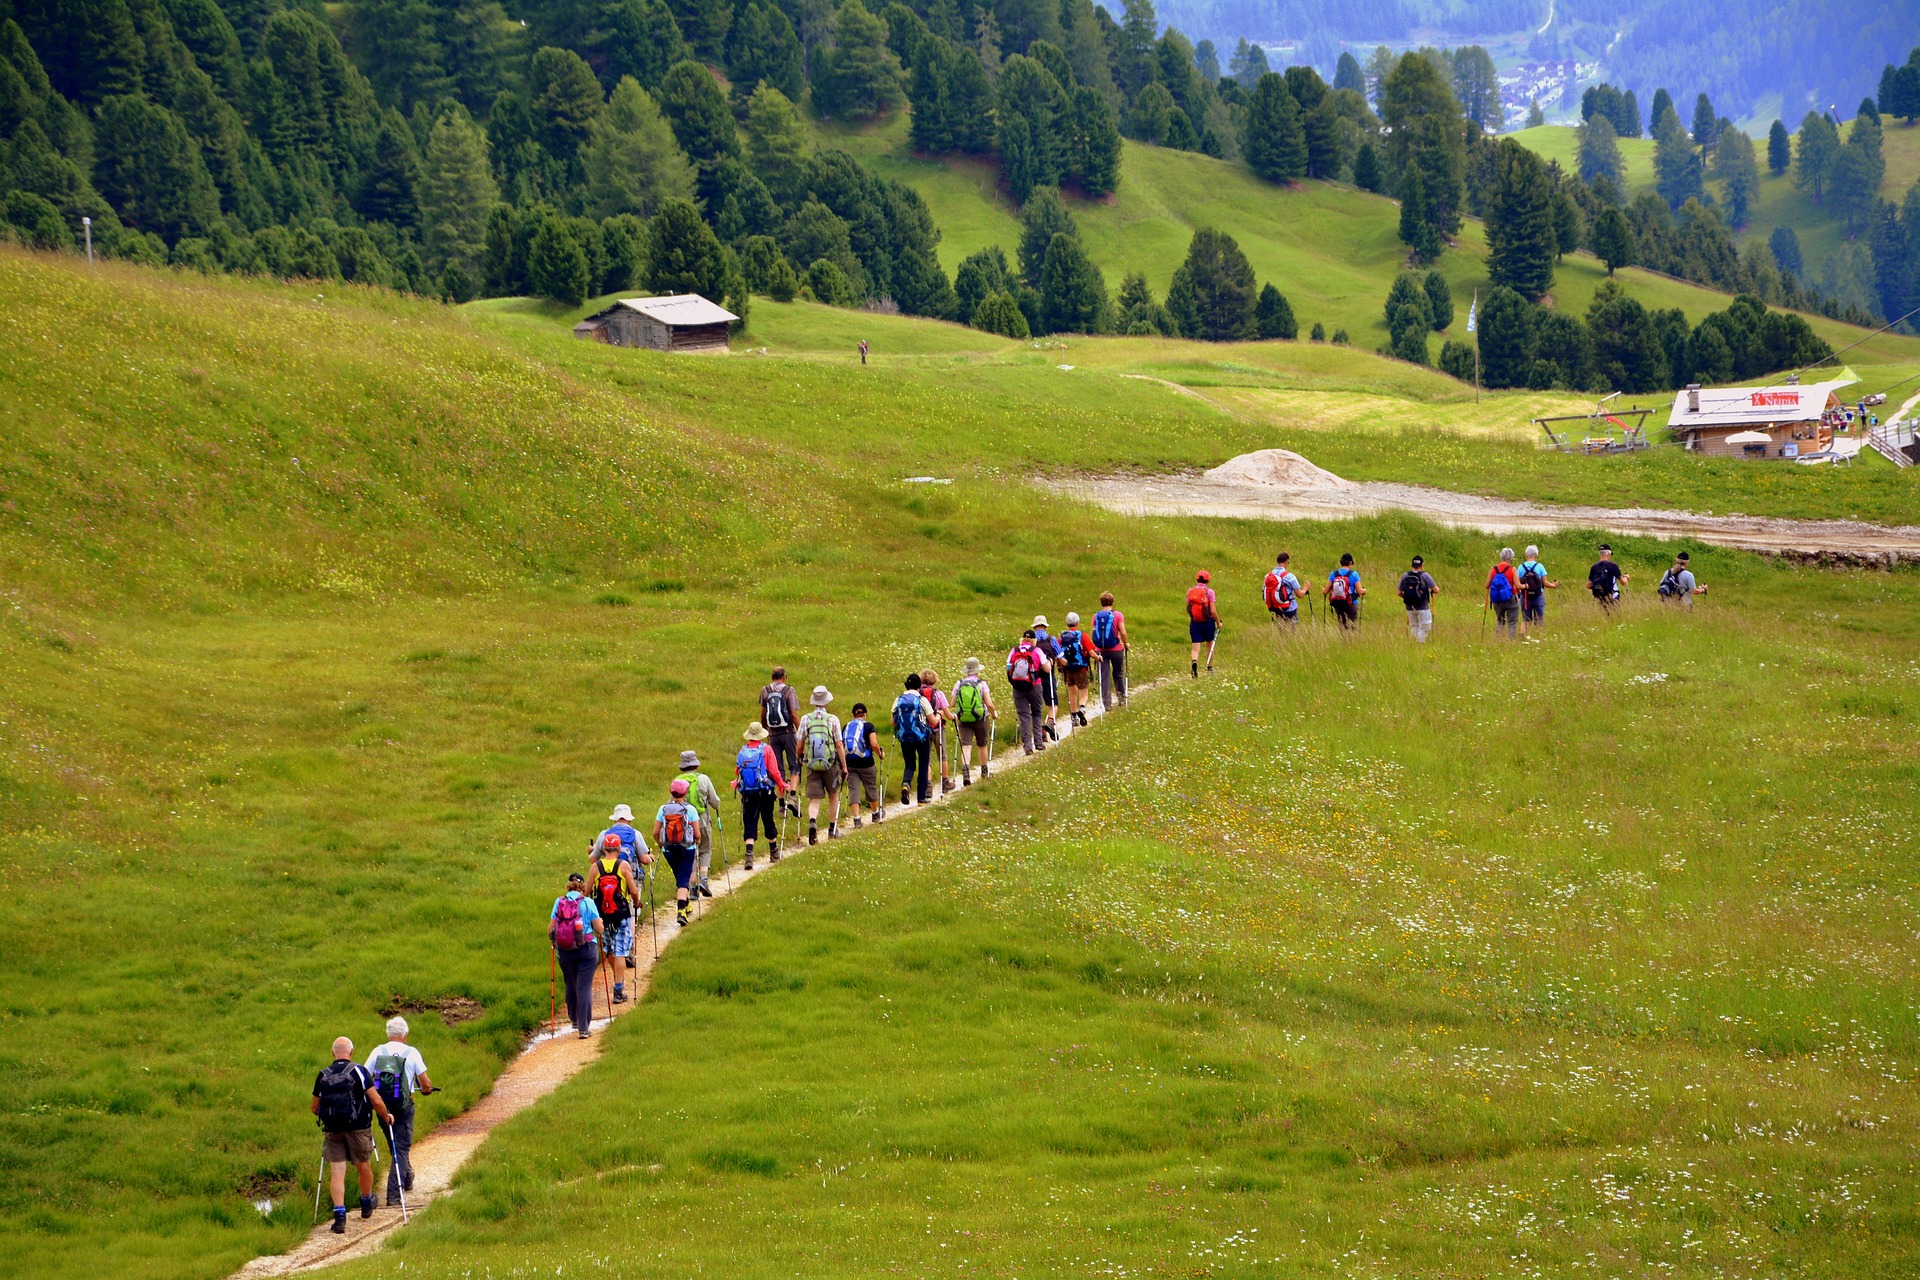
(773,855)
(749,862)
(905,795)
(882,812)
(705,890)
(366,1206)
(833,831)
(619,996)
(813,834)
(683,917)
(1209,668)
(1196,670)
(339,1222)
(856,823)
(966,776)
(926,797)
(1053,731)
(983,769)
(946,785)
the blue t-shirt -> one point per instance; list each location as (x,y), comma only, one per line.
(691,814)
(1290,590)
(1353,582)
(588,912)
(1533,566)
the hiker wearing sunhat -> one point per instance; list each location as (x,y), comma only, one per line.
(1075,668)
(973,712)
(1203,619)
(676,829)
(756,777)
(702,795)
(611,884)
(1049,685)
(823,758)
(620,823)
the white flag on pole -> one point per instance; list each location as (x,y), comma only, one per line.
(1473,312)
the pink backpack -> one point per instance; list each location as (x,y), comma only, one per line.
(569,931)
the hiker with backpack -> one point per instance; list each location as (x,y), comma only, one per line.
(1534,585)
(1281,591)
(1678,586)
(1344,592)
(1025,665)
(1203,620)
(575,930)
(705,798)
(611,880)
(1417,590)
(1049,684)
(913,728)
(1503,595)
(1605,578)
(942,717)
(973,712)
(757,780)
(346,1098)
(632,843)
(780,713)
(1110,651)
(1075,669)
(676,829)
(400,1072)
(824,758)
(860,742)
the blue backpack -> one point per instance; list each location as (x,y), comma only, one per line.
(855,738)
(753,769)
(909,718)
(1499,590)
(1073,648)
(1103,630)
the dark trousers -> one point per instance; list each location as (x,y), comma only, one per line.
(917,756)
(1026,705)
(577,968)
(757,807)
(786,750)
(400,1147)
(1113,678)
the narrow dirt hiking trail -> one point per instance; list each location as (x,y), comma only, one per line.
(1277,484)
(549,1061)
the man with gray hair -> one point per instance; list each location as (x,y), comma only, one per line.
(345,1100)
(1503,595)
(400,1072)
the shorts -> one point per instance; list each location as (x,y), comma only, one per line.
(863,781)
(620,936)
(1077,677)
(976,733)
(680,858)
(821,785)
(1202,632)
(354,1147)
(1533,608)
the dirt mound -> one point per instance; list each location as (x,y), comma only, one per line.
(1276,469)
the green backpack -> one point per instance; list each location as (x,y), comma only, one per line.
(971,700)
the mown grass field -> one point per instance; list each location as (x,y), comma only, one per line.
(333,627)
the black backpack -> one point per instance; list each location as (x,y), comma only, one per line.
(1414,589)
(342,1090)
(1669,584)
(1532,581)
(773,709)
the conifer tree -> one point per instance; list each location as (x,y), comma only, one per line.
(1366,168)
(762,48)
(698,113)
(565,98)
(683,255)
(1818,149)
(1347,74)
(1219,287)
(457,192)
(1096,163)
(1044,217)
(1705,124)
(632,163)
(557,265)
(704,23)
(1272,315)
(1676,165)
(1439,301)
(858,77)
(1073,298)
(1779,149)
(1735,166)
(1598,150)
(1273,141)
(1416,226)
(1522,242)
(778,144)
(152,170)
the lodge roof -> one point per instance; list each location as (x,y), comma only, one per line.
(1753,406)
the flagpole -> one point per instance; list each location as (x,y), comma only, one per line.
(1473,327)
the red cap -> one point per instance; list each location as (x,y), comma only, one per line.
(1202,577)
(678,787)
(610,841)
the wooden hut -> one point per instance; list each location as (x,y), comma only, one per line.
(1792,418)
(684,322)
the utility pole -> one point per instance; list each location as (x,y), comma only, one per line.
(86,226)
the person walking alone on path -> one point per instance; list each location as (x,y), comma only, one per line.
(913,727)
(1604,580)
(824,757)
(1110,651)
(861,742)
(1417,590)
(1281,591)
(973,711)
(611,884)
(1203,620)
(1503,595)
(574,928)
(1344,592)
(1074,668)
(780,713)
(1678,585)
(1025,665)
(346,1097)
(704,797)
(1049,684)
(757,780)
(942,717)
(400,1072)
(676,829)
(863,353)
(1534,585)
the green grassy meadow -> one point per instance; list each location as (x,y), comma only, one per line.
(333,625)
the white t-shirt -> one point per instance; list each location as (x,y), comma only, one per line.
(400,1060)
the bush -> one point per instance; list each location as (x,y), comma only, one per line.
(1318,333)
(783,282)
(1456,360)
(829,284)
(1340,338)
(1000,313)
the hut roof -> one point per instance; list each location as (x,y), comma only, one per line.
(1751,406)
(676,309)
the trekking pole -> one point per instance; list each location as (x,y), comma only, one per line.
(1210,645)
(553,961)
(653,913)
(319,1184)
(399,1178)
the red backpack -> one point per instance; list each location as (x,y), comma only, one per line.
(608,894)
(673,826)
(568,931)
(1279,594)
(1198,606)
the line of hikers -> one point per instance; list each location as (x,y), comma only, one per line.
(786,756)
(347,1096)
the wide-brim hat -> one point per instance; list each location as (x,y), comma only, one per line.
(621,813)
(689,759)
(973,666)
(821,696)
(1040,620)
(755,733)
